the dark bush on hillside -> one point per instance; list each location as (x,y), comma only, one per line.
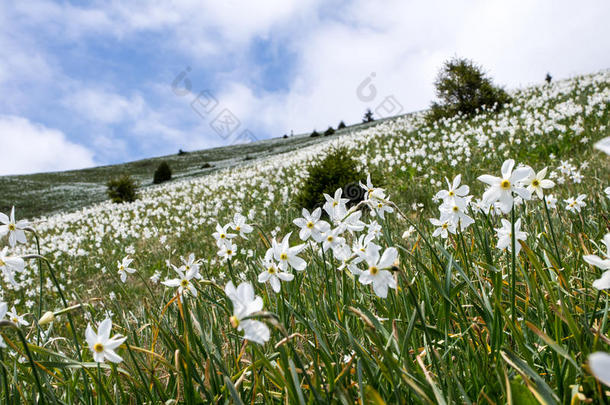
(341,125)
(329,131)
(163,173)
(314,134)
(122,189)
(338,169)
(463,88)
(207,165)
(368,116)
(548,78)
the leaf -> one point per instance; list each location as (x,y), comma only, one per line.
(541,390)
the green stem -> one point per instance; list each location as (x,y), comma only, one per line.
(548,216)
(28,354)
(513,281)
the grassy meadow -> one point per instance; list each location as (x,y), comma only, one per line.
(376,303)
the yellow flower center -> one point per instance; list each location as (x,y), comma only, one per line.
(184,283)
(222,236)
(271,270)
(505,185)
(187,267)
(98,347)
(15,320)
(310,225)
(374,270)
(379,205)
(121,267)
(2,264)
(234,321)
(330,238)
(237,228)
(455,208)
(335,203)
(11,227)
(445,225)
(535,183)
(451,194)
(229,252)
(283,256)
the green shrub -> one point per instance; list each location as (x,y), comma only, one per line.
(463,88)
(314,134)
(163,173)
(122,189)
(206,165)
(329,131)
(341,125)
(338,169)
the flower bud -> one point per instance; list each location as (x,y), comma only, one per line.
(47,317)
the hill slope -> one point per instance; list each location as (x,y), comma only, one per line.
(46,193)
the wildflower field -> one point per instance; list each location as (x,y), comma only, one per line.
(476,270)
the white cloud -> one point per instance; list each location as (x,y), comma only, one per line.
(333,47)
(103,106)
(29,148)
(405,43)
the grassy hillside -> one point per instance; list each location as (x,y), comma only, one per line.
(497,306)
(47,193)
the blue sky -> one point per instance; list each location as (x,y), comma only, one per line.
(90,83)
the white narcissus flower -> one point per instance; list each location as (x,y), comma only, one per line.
(15,230)
(536,182)
(603,263)
(221,235)
(443,227)
(352,222)
(273,274)
(603,145)
(245,303)
(335,206)
(454,191)
(359,246)
(190,263)
(183,282)
(239,225)
(371,191)
(454,210)
(333,239)
(155,277)
(227,250)
(501,189)
(380,208)
(575,204)
(311,225)
(377,274)
(16,318)
(124,268)
(551,201)
(287,256)
(10,265)
(348,259)
(102,346)
(599,363)
(607,191)
(505,236)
